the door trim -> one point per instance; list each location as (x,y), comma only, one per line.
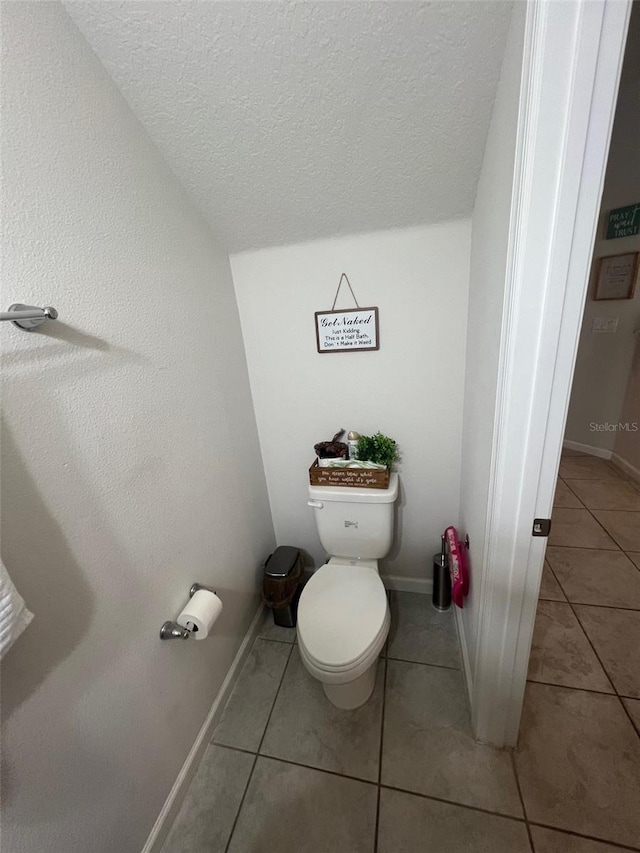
(572,60)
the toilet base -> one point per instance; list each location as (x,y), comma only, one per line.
(353,694)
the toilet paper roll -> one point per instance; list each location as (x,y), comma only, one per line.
(200,613)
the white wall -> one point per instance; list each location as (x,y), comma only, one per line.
(411,389)
(131,465)
(603,364)
(627,447)
(489,239)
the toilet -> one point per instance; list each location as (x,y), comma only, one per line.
(343,613)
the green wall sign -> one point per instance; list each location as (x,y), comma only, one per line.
(623,222)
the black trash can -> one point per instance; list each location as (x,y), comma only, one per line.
(281,584)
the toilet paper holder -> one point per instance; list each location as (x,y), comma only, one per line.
(173,631)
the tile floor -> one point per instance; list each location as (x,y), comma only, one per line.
(578,757)
(286,772)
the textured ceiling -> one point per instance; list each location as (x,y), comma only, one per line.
(294,121)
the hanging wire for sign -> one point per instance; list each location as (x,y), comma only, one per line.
(335,299)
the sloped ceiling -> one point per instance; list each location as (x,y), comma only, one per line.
(300,120)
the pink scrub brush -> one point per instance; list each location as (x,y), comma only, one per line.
(457,566)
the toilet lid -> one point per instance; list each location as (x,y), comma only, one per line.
(341,612)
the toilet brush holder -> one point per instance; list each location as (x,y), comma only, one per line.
(441,597)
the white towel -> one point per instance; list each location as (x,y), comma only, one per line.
(14,616)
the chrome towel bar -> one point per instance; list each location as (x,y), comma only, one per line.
(28,317)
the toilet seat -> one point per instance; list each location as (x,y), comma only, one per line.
(343,619)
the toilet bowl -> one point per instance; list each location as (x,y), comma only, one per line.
(343,622)
(343,612)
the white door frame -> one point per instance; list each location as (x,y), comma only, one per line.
(571,68)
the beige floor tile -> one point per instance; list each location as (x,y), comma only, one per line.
(615,635)
(550,841)
(564,497)
(588,468)
(411,824)
(420,633)
(578,762)
(428,747)
(623,527)
(209,809)
(577,528)
(268,630)
(291,809)
(307,729)
(246,713)
(607,494)
(634,557)
(592,576)
(549,587)
(633,707)
(561,653)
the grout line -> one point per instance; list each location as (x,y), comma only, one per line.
(426,663)
(593,648)
(569,687)
(393,788)
(234,748)
(558,506)
(598,522)
(255,760)
(524,820)
(240,804)
(318,769)
(604,669)
(626,710)
(575,834)
(602,508)
(586,548)
(618,696)
(300,764)
(524,809)
(454,803)
(599,478)
(384,700)
(615,695)
(275,699)
(548,562)
(591,604)
(610,535)
(276,640)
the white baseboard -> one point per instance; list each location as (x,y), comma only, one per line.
(173,802)
(403,584)
(629,469)
(600,452)
(466,662)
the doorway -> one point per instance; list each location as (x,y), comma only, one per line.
(572,62)
(589,608)
(584,669)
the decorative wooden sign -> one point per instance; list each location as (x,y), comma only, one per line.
(617,276)
(349,329)
(343,331)
(623,222)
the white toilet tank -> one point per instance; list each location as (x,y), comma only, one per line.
(355,523)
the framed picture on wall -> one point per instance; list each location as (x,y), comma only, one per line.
(617,276)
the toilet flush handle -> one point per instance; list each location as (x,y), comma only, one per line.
(315,504)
